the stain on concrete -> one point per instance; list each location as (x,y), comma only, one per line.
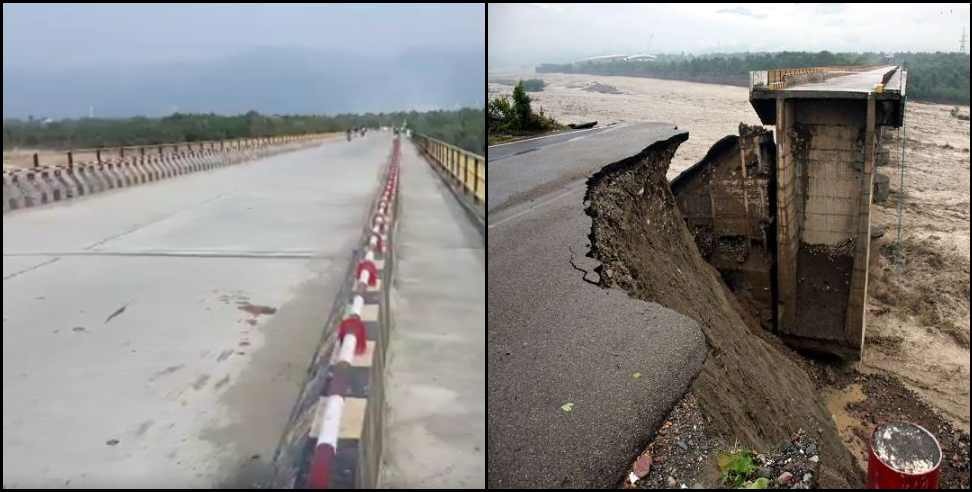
(256,310)
(200,382)
(224,355)
(144,427)
(268,377)
(222,382)
(166,371)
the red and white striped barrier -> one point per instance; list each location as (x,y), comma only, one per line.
(41,185)
(352,348)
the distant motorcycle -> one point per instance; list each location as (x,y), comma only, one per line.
(349,135)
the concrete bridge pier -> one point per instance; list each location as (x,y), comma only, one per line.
(827,138)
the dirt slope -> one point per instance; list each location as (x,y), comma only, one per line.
(751,386)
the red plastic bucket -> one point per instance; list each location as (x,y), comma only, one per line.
(902,455)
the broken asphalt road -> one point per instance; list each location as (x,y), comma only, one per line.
(555,338)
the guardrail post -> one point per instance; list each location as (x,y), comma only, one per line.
(122,151)
(98,155)
(36,160)
(465,172)
(476,180)
(70,159)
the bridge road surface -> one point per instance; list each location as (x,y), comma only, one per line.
(554,338)
(435,387)
(129,359)
(858,82)
(505,150)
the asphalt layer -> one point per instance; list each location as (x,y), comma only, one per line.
(554,339)
(503,151)
(542,167)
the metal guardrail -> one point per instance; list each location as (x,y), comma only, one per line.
(780,78)
(467,168)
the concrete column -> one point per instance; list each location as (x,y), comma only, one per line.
(787,231)
(862,248)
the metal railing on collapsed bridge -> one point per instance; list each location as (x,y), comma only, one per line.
(781,78)
(468,169)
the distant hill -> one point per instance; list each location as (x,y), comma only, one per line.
(937,77)
(268,80)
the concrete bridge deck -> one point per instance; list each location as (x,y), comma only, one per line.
(861,82)
(158,336)
(823,85)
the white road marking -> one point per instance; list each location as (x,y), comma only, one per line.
(544,136)
(531,209)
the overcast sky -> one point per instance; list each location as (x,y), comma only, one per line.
(532,33)
(71,34)
(127,59)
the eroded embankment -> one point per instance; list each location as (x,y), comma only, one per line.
(751,387)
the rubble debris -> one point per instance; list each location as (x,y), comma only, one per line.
(602,88)
(708,460)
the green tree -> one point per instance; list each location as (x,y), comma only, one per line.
(521,107)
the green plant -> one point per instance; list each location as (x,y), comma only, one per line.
(759,483)
(521,107)
(500,114)
(736,467)
(513,117)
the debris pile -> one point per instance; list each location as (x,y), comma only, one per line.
(685,455)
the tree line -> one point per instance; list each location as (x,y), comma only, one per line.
(937,77)
(463,127)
